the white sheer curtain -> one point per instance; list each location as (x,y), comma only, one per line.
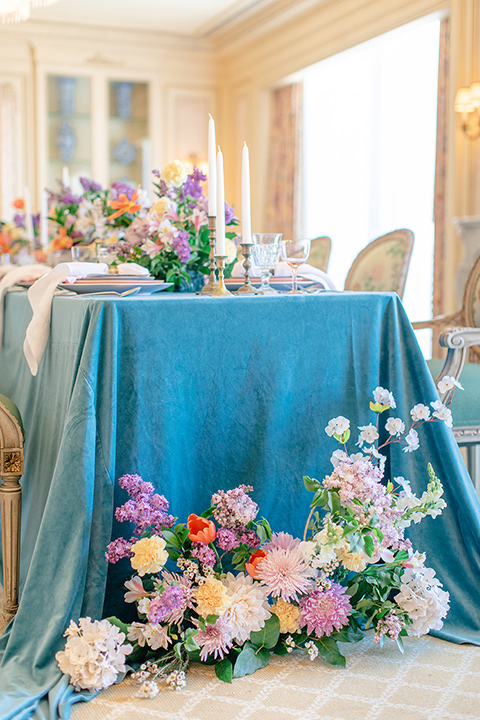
(369,151)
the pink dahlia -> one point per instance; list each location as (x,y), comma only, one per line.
(324,611)
(215,640)
(285,573)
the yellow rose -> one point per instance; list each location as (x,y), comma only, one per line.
(212,598)
(149,555)
(288,615)
(174,173)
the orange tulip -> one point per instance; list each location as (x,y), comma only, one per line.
(125,205)
(61,241)
(4,243)
(201,529)
(254,561)
(19,203)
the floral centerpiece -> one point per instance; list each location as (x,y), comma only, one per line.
(13,234)
(172,238)
(223,588)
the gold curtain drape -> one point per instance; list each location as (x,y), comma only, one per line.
(440,175)
(284,167)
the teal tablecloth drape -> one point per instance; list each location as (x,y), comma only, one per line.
(197,394)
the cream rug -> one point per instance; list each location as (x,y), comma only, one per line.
(434,680)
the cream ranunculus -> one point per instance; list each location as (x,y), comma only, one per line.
(174,173)
(149,555)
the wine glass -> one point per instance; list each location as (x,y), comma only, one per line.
(265,254)
(294,253)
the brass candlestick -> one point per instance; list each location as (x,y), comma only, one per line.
(211,285)
(221,290)
(247,287)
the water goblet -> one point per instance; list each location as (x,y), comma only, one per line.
(265,255)
(294,253)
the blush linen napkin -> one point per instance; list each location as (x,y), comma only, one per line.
(40,296)
(15,275)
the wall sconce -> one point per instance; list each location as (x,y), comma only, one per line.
(467,103)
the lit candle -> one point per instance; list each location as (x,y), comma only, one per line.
(220,249)
(66,176)
(28,218)
(44,220)
(246,216)
(212,169)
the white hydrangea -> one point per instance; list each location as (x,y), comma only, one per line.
(94,654)
(422,597)
(384,397)
(337,425)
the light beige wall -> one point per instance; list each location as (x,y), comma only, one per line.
(254,58)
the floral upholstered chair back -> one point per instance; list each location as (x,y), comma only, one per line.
(383,264)
(320,249)
(471,306)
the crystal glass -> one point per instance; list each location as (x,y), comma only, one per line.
(294,253)
(265,255)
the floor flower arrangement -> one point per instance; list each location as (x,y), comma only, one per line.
(222,588)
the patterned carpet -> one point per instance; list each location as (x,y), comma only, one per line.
(434,680)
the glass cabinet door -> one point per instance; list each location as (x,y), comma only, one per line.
(128,132)
(69,129)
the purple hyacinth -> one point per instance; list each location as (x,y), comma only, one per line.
(70,199)
(229,214)
(145,508)
(192,185)
(181,246)
(165,604)
(90,185)
(19,220)
(204,554)
(119,188)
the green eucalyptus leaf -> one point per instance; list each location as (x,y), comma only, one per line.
(311,484)
(268,635)
(250,659)
(328,649)
(369,545)
(224,670)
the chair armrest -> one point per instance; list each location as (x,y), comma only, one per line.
(437,321)
(456,340)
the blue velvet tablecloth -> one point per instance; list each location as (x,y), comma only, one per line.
(197,394)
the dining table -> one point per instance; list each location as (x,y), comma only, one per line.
(197,394)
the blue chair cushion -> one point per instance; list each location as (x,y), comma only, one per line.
(13,410)
(465,406)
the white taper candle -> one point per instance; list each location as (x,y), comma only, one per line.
(246,213)
(220,249)
(212,169)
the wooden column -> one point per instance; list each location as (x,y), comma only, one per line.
(11,470)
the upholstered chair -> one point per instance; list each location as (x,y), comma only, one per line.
(11,470)
(462,343)
(382,265)
(320,249)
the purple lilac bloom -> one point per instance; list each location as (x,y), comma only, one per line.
(250,538)
(181,246)
(227,539)
(185,585)
(192,185)
(165,604)
(324,611)
(119,188)
(118,549)
(19,220)
(229,214)
(90,185)
(70,199)
(145,508)
(36,220)
(390,625)
(234,508)
(204,554)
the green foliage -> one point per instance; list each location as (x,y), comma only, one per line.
(224,670)
(268,635)
(250,659)
(328,649)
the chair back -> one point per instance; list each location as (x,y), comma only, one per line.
(382,265)
(320,249)
(471,305)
